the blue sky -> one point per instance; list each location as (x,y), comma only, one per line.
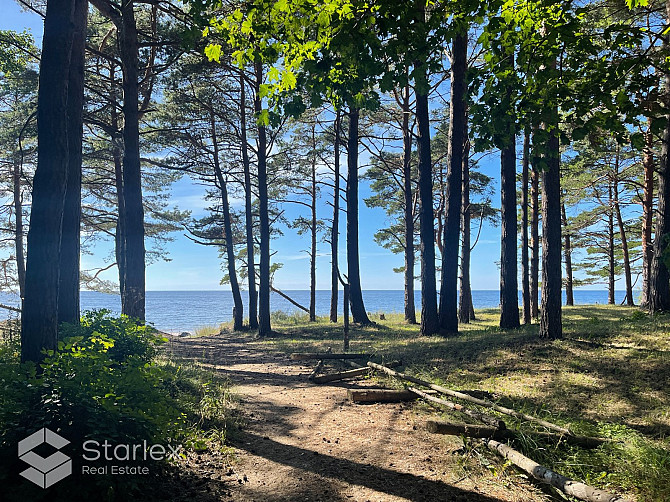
(195,267)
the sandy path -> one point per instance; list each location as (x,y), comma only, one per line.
(306,442)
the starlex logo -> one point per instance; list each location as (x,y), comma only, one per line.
(45,472)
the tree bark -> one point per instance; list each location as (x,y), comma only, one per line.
(622,235)
(611,264)
(313,232)
(525,273)
(68,287)
(248,210)
(238,307)
(457,125)
(550,320)
(358,312)
(659,278)
(264,326)
(335,229)
(647,213)
(534,238)
(18,228)
(569,296)
(509,290)
(39,320)
(466,311)
(410,309)
(134,292)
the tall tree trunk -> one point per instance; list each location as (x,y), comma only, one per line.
(313,231)
(647,213)
(410,309)
(624,240)
(248,210)
(659,278)
(335,229)
(534,237)
(119,236)
(569,296)
(611,264)
(457,125)
(509,290)
(18,227)
(550,318)
(264,326)
(68,288)
(39,320)
(133,300)
(238,307)
(353,268)
(525,275)
(466,311)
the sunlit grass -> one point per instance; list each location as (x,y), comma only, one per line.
(614,385)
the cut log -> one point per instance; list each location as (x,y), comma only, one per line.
(300,356)
(379,395)
(342,375)
(390,364)
(466,397)
(487,419)
(573,488)
(481,431)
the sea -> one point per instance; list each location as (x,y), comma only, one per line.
(180,311)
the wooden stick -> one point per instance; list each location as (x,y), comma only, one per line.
(333,377)
(482,431)
(573,488)
(299,356)
(466,397)
(487,419)
(390,364)
(319,366)
(379,395)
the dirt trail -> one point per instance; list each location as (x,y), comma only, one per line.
(305,442)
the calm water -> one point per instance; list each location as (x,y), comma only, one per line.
(177,311)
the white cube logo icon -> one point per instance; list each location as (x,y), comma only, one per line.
(45,472)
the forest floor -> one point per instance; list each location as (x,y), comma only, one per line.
(295,440)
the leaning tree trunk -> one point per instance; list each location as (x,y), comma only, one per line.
(335,229)
(248,211)
(466,311)
(68,288)
(534,238)
(624,248)
(457,125)
(569,296)
(410,309)
(647,213)
(525,275)
(264,326)
(133,300)
(353,267)
(39,319)
(238,307)
(509,290)
(659,278)
(550,319)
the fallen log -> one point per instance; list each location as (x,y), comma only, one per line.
(299,356)
(482,431)
(573,488)
(487,419)
(342,375)
(390,364)
(319,367)
(466,397)
(379,395)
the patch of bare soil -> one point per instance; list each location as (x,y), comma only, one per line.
(303,441)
